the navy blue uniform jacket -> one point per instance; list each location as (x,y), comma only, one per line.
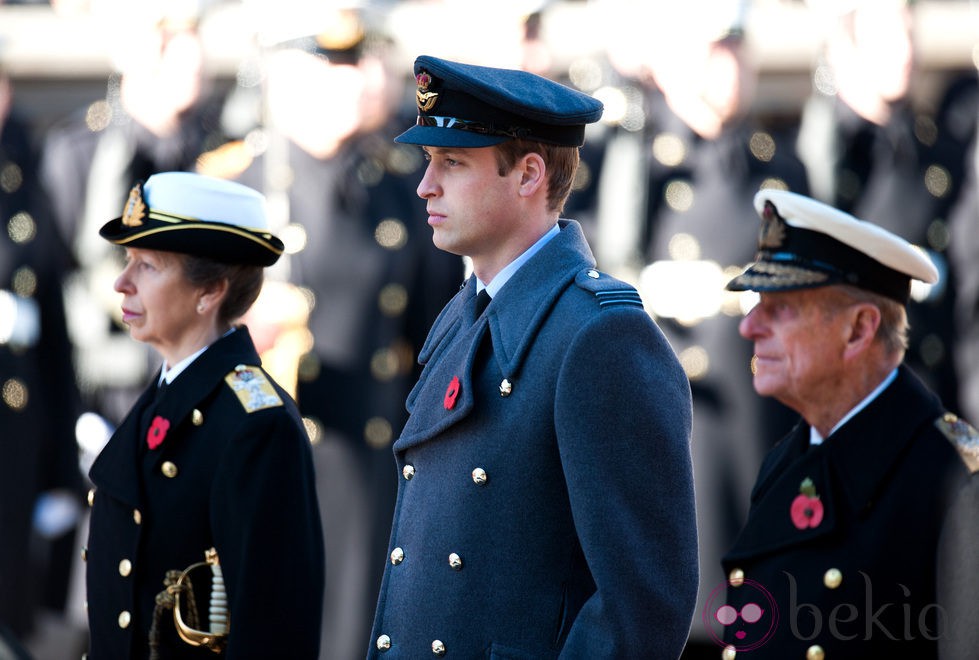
(223,477)
(891,568)
(545,506)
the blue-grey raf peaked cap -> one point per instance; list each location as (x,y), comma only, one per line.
(465,105)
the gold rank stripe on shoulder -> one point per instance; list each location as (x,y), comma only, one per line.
(252,388)
(963,436)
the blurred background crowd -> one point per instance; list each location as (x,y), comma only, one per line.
(870,105)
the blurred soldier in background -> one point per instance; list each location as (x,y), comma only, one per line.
(964,254)
(871,153)
(361,254)
(40,481)
(156,116)
(674,214)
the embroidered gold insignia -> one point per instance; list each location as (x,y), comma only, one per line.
(772,231)
(424,98)
(766,273)
(135,210)
(252,388)
(963,436)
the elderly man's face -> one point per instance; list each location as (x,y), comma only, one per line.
(799,341)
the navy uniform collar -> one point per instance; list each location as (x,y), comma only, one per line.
(848,470)
(115,470)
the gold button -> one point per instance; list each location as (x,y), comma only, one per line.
(169,470)
(455,561)
(383,643)
(438,648)
(84,554)
(197,417)
(480,477)
(815,652)
(506,387)
(124,619)
(125,568)
(137,517)
(833,578)
(397,556)
(729,653)
(951,418)
(91,496)
(408,472)
(736,577)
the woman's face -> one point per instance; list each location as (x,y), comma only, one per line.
(159,305)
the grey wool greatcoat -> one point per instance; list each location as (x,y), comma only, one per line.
(545,506)
(233,471)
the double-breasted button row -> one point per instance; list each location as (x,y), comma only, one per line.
(479,475)
(832,578)
(383,643)
(814,652)
(398,556)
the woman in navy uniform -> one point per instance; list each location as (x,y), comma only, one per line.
(213,455)
(545,505)
(862,535)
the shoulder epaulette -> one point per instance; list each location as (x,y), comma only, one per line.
(963,437)
(253,388)
(609,291)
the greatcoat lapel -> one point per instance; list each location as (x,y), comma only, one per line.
(848,470)
(513,319)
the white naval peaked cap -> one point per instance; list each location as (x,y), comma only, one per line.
(805,243)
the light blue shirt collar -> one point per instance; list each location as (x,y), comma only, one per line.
(508,271)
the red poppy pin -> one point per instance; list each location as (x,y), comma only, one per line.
(451,393)
(158,432)
(807,508)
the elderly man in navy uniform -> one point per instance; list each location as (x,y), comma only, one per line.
(545,506)
(862,535)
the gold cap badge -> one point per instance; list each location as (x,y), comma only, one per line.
(135,211)
(424,98)
(772,231)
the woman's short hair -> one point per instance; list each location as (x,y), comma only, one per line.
(244,283)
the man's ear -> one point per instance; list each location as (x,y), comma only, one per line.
(533,174)
(864,320)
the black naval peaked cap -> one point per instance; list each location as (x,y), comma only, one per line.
(804,243)
(198,215)
(466,105)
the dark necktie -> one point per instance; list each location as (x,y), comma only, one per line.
(482,300)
